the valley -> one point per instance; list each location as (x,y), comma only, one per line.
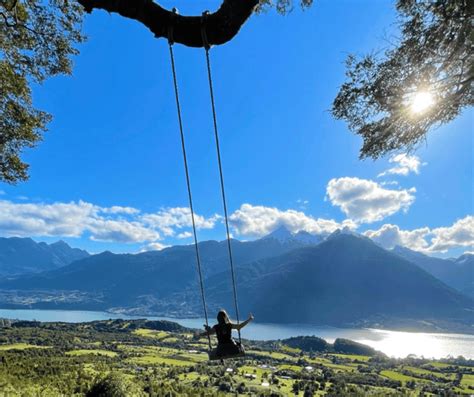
(157,358)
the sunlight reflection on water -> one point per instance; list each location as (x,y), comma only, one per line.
(392,343)
(401,344)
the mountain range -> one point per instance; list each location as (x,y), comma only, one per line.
(341,279)
(23,255)
(144,279)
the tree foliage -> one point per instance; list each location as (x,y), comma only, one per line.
(114,385)
(284,6)
(37,41)
(433,56)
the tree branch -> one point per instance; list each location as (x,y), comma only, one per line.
(221,25)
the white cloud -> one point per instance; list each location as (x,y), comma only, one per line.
(389,236)
(77,219)
(459,234)
(360,199)
(365,201)
(184,235)
(405,165)
(389,183)
(153,247)
(257,221)
(169,219)
(120,231)
(116,209)
(57,219)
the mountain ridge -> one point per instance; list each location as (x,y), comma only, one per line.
(313,269)
(344,280)
(24,255)
(457,273)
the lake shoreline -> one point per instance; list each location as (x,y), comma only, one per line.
(391,342)
(400,325)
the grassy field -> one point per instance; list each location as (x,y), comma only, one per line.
(155,359)
(21,346)
(151,333)
(421,371)
(271,354)
(69,360)
(83,352)
(394,375)
(352,357)
(467,380)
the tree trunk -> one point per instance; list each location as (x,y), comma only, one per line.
(221,26)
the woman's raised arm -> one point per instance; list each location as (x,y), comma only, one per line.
(243,323)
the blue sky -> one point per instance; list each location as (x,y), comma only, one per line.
(114,142)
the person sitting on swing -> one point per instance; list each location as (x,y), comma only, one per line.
(226,345)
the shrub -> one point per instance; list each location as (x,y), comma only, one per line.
(114,385)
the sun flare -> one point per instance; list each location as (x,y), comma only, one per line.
(421,101)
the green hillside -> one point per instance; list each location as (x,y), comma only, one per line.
(155,358)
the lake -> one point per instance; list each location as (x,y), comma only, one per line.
(392,343)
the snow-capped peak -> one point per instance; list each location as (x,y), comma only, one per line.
(346,231)
(281,234)
(307,238)
(465,258)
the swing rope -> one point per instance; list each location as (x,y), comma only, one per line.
(207,47)
(188,183)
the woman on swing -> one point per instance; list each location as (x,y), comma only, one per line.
(226,345)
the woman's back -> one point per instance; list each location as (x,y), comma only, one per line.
(224,333)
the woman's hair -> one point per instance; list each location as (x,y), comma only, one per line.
(222,317)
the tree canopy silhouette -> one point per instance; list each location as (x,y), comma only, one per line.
(422,81)
(433,58)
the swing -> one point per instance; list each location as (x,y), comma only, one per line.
(226,353)
(236,349)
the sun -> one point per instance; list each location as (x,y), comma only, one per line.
(421,101)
